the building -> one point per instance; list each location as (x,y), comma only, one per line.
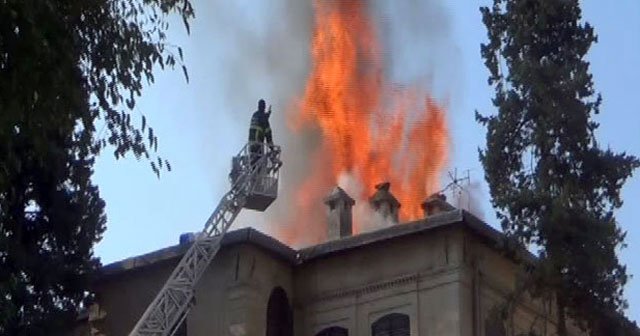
(445,274)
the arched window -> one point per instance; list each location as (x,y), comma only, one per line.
(333,331)
(279,316)
(391,325)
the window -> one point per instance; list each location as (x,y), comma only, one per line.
(279,316)
(333,331)
(391,325)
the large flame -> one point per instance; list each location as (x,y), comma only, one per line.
(371,130)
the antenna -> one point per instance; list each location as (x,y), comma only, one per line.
(458,185)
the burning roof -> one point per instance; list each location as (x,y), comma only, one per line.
(372,130)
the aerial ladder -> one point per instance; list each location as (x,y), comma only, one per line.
(254,185)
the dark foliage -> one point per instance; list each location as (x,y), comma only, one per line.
(553,185)
(66,68)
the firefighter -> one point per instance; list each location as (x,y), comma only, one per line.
(259,131)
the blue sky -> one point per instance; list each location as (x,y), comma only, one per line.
(202,124)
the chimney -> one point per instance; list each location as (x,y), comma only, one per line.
(384,202)
(436,204)
(339,213)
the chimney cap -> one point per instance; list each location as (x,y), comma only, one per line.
(384,195)
(436,203)
(338,194)
(383,186)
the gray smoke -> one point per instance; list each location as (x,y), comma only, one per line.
(420,49)
(264,53)
(469,197)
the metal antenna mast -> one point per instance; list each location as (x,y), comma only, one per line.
(459,185)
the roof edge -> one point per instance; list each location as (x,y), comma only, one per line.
(235,237)
(395,231)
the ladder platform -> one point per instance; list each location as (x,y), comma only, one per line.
(263,194)
(265,185)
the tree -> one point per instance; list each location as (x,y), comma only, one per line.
(66,68)
(552,184)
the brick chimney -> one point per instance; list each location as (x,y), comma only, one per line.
(435,204)
(384,202)
(339,214)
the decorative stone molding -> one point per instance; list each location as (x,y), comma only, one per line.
(382,285)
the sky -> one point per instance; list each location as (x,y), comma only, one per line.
(240,51)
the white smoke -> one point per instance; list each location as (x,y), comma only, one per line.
(468,197)
(364,216)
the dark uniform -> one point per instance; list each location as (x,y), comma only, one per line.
(259,131)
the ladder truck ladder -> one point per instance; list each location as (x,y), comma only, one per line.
(254,179)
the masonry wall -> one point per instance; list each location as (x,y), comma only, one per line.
(416,275)
(122,298)
(448,280)
(488,278)
(231,298)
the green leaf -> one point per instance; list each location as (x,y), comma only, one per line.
(186,75)
(186,24)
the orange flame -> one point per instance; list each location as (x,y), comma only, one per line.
(370,130)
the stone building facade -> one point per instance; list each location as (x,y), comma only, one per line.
(442,275)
